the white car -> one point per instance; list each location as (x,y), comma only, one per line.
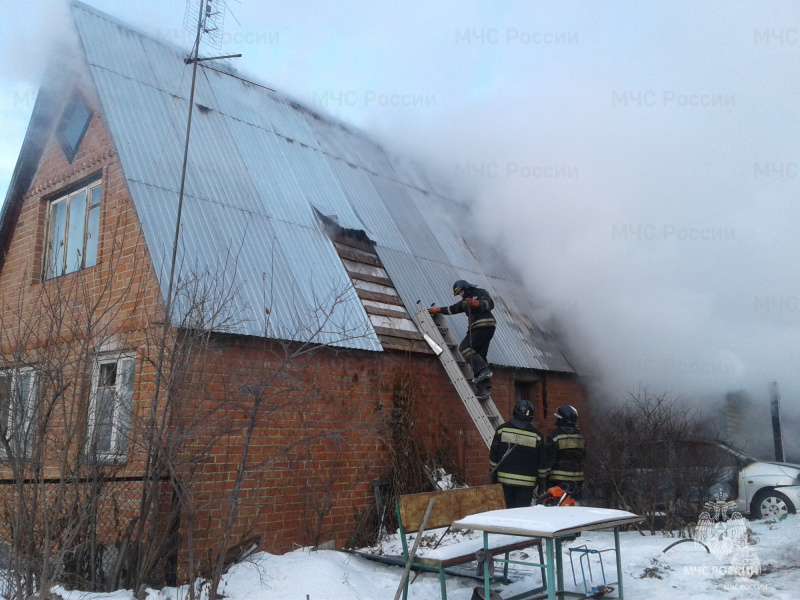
(763,489)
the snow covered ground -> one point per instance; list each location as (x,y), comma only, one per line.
(684,571)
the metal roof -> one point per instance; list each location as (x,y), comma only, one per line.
(260,169)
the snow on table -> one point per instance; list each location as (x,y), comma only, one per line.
(546,521)
(468,546)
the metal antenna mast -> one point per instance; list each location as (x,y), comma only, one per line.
(208,28)
(209,23)
(210,17)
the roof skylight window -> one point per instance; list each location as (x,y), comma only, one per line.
(73,125)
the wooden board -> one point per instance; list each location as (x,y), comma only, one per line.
(450,505)
(401,333)
(359,256)
(378,297)
(395,343)
(385,312)
(371,278)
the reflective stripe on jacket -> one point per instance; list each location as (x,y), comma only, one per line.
(565,451)
(522,446)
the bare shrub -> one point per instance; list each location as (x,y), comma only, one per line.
(643,459)
(84,363)
(414,466)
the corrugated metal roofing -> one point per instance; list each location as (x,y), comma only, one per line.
(260,168)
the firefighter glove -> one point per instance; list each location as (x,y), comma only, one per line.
(472,302)
(434,310)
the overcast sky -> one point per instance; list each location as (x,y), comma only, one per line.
(637,161)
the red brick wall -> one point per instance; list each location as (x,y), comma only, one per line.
(329,391)
(563,389)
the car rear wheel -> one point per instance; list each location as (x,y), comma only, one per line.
(771,504)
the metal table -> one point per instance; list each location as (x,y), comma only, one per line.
(553,524)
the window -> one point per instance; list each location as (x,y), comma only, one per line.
(72,231)
(72,126)
(19,398)
(110,408)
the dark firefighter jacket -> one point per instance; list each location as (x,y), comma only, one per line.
(479,316)
(521,466)
(565,451)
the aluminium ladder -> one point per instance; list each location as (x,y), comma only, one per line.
(439,337)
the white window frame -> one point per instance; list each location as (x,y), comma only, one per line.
(29,410)
(50,270)
(120,422)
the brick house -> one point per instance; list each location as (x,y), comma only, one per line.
(304,248)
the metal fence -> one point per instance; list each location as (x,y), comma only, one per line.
(87,531)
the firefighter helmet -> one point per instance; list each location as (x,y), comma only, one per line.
(567,414)
(461,286)
(524,410)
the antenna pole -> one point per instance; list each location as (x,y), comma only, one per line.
(168,301)
(152,463)
(183,168)
(204,10)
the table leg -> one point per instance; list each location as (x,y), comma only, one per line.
(551,580)
(559,566)
(486,593)
(619,563)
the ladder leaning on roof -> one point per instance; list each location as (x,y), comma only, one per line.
(439,337)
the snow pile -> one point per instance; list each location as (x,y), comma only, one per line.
(685,570)
(443,480)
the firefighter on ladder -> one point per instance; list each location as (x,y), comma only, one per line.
(565,452)
(478,305)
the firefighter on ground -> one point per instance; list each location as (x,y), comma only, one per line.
(516,455)
(565,452)
(478,305)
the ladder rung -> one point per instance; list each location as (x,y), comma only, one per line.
(483,411)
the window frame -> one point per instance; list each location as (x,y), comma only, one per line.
(65,122)
(49,269)
(116,455)
(31,405)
